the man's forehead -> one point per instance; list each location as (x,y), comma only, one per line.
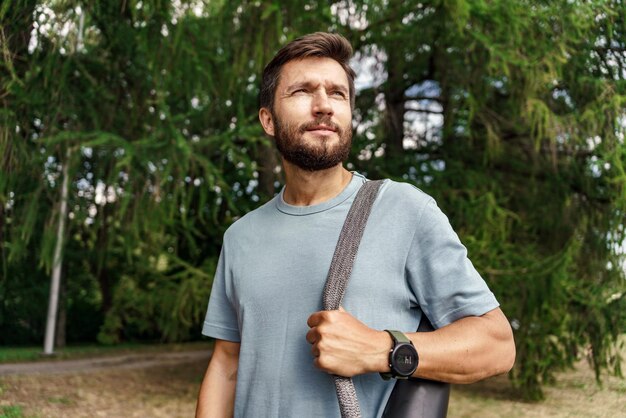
(313,69)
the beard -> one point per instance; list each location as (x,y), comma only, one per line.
(316,155)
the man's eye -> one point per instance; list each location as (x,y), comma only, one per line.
(298,91)
(339,94)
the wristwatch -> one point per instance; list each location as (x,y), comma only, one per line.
(403,358)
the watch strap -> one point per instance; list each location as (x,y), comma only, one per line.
(398,337)
(386,375)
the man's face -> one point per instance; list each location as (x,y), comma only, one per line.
(312,119)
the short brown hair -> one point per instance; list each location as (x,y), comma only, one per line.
(318,44)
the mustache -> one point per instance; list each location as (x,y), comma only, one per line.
(324,120)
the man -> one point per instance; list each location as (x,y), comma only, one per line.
(275,348)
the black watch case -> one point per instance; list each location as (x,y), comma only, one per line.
(403,360)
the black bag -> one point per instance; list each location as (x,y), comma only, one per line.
(419,398)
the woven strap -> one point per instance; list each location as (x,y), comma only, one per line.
(339,274)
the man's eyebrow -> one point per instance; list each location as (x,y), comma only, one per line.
(308,84)
(299,85)
(338,87)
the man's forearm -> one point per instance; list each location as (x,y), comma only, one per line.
(217,392)
(465,351)
(468,350)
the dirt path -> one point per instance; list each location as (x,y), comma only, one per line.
(165,385)
(128,361)
(146,385)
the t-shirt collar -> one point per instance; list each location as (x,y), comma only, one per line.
(352,187)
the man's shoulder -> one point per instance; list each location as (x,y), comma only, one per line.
(404,194)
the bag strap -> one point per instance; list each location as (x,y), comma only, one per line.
(339,274)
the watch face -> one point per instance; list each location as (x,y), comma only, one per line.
(405,360)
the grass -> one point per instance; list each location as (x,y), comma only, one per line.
(62,400)
(32,354)
(11,411)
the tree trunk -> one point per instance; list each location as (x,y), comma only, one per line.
(267,161)
(61,327)
(394,103)
(102,273)
(57,262)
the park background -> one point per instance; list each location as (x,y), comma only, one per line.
(129,128)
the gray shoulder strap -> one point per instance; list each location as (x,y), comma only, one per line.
(339,274)
(348,244)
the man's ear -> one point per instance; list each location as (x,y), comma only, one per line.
(265,116)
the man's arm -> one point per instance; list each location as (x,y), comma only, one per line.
(217,392)
(470,349)
(465,351)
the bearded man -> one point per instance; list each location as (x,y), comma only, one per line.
(275,348)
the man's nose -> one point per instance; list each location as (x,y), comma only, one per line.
(321,104)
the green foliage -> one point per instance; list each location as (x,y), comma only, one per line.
(527,161)
(169,306)
(11,411)
(20,354)
(510,113)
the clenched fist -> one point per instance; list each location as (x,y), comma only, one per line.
(344,346)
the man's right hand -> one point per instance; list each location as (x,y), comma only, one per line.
(217,392)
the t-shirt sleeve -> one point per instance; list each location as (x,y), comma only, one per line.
(221,318)
(444,281)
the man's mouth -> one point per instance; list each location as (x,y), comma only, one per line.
(321,128)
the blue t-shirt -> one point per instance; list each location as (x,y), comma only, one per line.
(270,277)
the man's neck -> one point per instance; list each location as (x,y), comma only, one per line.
(306,188)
